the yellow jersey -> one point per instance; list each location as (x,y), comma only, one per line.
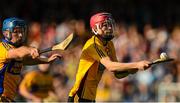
(37,83)
(90,69)
(9,72)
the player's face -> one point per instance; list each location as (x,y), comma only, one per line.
(105,28)
(18,35)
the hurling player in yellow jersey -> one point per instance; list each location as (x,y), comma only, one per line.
(98,54)
(13,55)
(37,84)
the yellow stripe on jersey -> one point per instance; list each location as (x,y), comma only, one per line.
(6,45)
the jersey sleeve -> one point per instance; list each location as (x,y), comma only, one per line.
(3,54)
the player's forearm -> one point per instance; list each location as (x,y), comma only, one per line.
(41,60)
(116,66)
(18,52)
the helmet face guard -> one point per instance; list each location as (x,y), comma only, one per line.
(99,22)
(10,24)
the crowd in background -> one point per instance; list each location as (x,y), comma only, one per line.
(130,45)
(157,12)
(144,29)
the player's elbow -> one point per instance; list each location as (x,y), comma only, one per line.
(110,68)
(108,64)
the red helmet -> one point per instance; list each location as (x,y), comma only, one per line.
(98,19)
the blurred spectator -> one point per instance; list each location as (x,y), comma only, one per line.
(49,35)
(173,43)
(62,31)
(35,34)
(37,84)
(60,86)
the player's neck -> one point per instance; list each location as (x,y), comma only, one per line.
(102,40)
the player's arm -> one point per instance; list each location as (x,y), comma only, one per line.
(99,54)
(19,53)
(40,60)
(117,66)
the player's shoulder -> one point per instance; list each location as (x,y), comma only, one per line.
(3,47)
(89,43)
